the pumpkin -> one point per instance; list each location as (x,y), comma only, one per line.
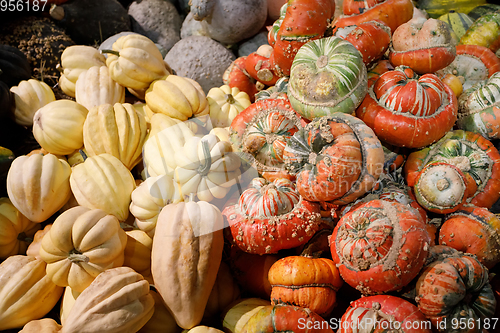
(423,45)
(186,255)
(240,311)
(236,76)
(118,130)
(16,231)
(473,230)
(473,64)
(478,108)
(383,312)
(435,8)
(137,252)
(81,244)
(166,137)
(485,31)
(327,76)
(279,90)
(350,7)
(118,300)
(458,22)
(49,133)
(408,110)
(38,185)
(472,154)
(177,97)
(225,103)
(29,96)
(14,66)
(44,325)
(258,66)
(272,216)
(135,62)
(149,198)
(336,158)
(455,287)
(103,182)
(285,318)
(94,87)
(26,292)
(75,59)
(380,68)
(380,246)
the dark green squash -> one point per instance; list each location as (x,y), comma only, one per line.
(6,158)
(458,22)
(14,66)
(479,11)
(6,101)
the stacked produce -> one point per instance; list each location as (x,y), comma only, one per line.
(343,177)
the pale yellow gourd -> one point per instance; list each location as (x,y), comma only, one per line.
(103,182)
(38,185)
(166,137)
(135,62)
(68,300)
(95,87)
(58,126)
(29,96)
(74,60)
(81,244)
(149,198)
(177,97)
(118,300)
(118,130)
(138,251)
(187,251)
(26,292)
(16,231)
(225,103)
(44,325)
(240,312)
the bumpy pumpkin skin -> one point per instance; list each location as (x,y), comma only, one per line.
(118,300)
(29,96)
(187,251)
(38,186)
(26,292)
(81,244)
(95,87)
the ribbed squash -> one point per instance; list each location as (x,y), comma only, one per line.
(68,301)
(187,251)
(177,97)
(238,314)
(34,247)
(138,251)
(49,133)
(481,10)
(81,244)
(38,185)
(458,22)
(44,325)
(26,292)
(16,231)
(76,59)
(118,130)
(135,62)
(95,87)
(29,96)
(225,103)
(118,300)
(485,31)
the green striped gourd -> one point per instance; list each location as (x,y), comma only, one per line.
(458,22)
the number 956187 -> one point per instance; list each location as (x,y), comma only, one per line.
(22,5)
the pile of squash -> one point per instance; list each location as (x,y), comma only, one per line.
(345,178)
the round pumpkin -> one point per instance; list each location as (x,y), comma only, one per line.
(29,96)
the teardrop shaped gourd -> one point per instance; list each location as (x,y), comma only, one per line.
(81,244)
(26,292)
(29,96)
(103,182)
(118,300)
(38,185)
(95,87)
(187,251)
(47,129)
(118,130)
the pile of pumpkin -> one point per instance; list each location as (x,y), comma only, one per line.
(366,168)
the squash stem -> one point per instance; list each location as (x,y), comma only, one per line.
(84,156)
(116,53)
(76,256)
(207,159)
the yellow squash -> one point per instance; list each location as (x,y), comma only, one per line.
(95,87)
(225,103)
(29,96)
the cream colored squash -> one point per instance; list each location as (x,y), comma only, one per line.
(118,300)
(29,96)
(95,87)
(135,62)
(44,325)
(187,251)
(138,251)
(26,292)
(224,292)
(221,132)
(177,97)
(225,103)
(162,320)
(149,198)
(167,136)
(58,126)
(16,231)
(240,312)
(74,60)
(38,185)
(118,130)
(207,168)
(81,244)
(34,248)
(103,182)
(68,300)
